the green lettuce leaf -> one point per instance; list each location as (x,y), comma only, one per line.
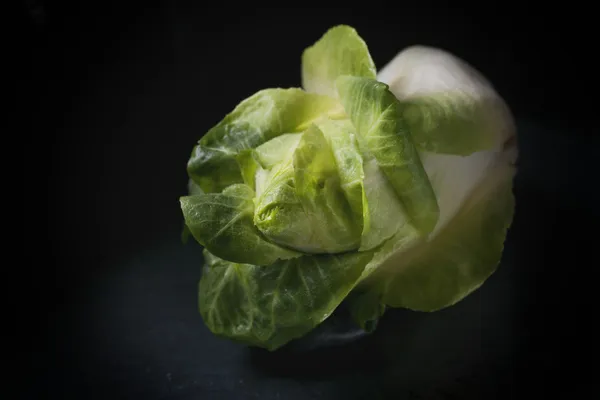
(267,306)
(340,51)
(405,238)
(267,114)
(193,190)
(449,106)
(451,122)
(222,222)
(249,167)
(279,214)
(341,137)
(319,190)
(437,273)
(277,150)
(386,214)
(377,116)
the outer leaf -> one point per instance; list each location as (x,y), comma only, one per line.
(377,116)
(193,190)
(223,224)
(389,253)
(440,272)
(449,123)
(270,305)
(340,51)
(259,118)
(450,107)
(454,178)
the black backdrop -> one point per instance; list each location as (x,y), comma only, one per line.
(117,93)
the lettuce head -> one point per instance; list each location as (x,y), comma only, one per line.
(394,186)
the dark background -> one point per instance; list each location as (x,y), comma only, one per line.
(116,95)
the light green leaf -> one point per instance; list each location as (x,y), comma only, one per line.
(303,205)
(440,272)
(377,116)
(277,150)
(267,306)
(451,122)
(392,249)
(254,175)
(279,215)
(451,108)
(262,179)
(319,190)
(340,51)
(341,136)
(223,224)
(193,189)
(386,214)
(371,197)
(256,120)
(249,167)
